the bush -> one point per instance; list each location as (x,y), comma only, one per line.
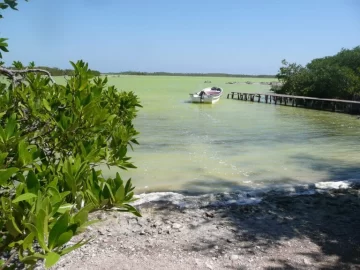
(52,140)
(335,76)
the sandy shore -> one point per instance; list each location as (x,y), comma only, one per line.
(319,231)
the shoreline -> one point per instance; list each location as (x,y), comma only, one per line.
(239,197)
(301,231)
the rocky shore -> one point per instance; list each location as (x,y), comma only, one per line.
(280,231)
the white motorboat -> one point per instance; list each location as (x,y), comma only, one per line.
(207,95)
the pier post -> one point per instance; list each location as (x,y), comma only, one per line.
(334,106)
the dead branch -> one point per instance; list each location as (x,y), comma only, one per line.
(12,73)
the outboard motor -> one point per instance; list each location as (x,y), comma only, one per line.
(202,94)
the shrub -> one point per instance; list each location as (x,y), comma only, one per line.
(52,140)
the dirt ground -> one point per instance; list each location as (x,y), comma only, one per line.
(318,231)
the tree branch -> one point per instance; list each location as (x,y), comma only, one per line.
(8,261)
(12,73)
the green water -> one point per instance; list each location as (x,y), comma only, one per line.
(233,144)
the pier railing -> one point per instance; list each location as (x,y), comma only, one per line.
(348,106)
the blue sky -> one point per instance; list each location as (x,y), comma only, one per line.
(231,36)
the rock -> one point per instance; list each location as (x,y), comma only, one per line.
(176,226)
(208,214)
(209,266)
(229,240)
(194,224)
(142,232)
(101,216)
(234,257)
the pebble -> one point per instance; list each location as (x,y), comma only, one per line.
(176,226)
(209,266)
(208,214)
(101,216)
(234,257)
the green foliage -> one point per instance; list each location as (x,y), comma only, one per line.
(65,72)
(53,138)
(335,76)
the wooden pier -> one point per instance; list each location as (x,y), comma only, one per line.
(338,105)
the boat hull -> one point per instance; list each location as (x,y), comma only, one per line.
(209,96)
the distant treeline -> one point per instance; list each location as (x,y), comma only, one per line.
(336,76)
(65,72)
(189,74)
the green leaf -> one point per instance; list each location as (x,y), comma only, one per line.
(55,195)
(32,183)
(2,157)
(12,227)
(58,229)
(65,207)
(5,174)
(64,194)
(41,226)
(31,228)
(120,194)
(81,217)
(77,245)
(28,241)
(46,105)
(10,126)
(32,259)
(64,238)
(51,259)
(24,197)
(24,155)
(4,49)
(132,209)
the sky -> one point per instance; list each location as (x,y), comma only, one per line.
(228,36)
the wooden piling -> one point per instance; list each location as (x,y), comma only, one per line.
(307,102)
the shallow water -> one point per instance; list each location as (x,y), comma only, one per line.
(233,145)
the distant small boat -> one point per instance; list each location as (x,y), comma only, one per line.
(207,95)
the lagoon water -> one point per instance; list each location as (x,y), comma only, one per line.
(233,145)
